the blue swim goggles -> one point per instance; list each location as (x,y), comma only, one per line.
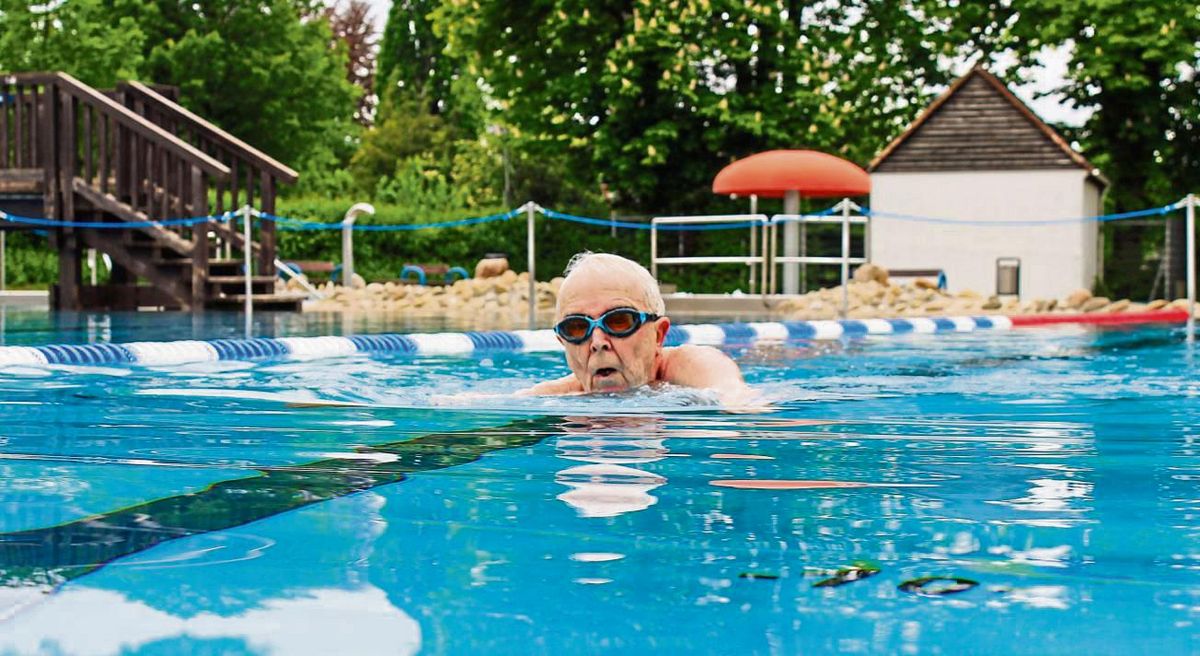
(618,322)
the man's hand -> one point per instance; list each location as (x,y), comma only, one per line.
(566,385)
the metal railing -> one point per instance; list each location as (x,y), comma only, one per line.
(845,218)
(754,221)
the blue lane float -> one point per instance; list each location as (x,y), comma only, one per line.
(306,348)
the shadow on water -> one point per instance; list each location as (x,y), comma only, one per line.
(56,554)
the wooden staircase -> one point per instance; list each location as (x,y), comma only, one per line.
(133,155)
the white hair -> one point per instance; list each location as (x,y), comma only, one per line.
(608,264)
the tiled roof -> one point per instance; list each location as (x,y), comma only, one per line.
(978,124)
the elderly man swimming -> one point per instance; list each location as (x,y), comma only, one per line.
(610,322)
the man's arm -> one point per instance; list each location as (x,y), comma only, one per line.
(568,384)
(707,368)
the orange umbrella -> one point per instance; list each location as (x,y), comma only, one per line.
(809,173)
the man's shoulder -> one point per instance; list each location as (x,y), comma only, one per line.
(684,363)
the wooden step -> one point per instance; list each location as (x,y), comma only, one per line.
(241,280)
(291,302)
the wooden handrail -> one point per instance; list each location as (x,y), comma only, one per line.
(142,126)
(232,143)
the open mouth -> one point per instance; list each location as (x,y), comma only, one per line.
(605,372)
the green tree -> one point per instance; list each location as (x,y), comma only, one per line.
(76,37)
(269,71)
(654,97)
(412,58)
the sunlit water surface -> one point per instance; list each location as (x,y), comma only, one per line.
(1053,473)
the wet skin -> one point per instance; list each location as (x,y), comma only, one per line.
(603,363)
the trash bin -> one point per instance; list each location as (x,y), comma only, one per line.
(1008,276)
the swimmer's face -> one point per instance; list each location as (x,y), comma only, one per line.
(604,363)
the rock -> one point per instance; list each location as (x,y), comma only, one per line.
(357,281)
(1157,304)
(924,283)
(1118,306)
(993,303)
(871,272)
(1077,298)
(1095,303)
(490,267)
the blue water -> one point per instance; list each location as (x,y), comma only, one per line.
(1057,469)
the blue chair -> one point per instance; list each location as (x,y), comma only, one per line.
(456,271)
(412,268)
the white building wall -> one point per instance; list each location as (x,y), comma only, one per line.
(1055,259)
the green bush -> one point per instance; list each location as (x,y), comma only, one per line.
(29,261)
(381,255)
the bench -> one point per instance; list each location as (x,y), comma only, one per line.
(936,274)
(306,267)
(431,274)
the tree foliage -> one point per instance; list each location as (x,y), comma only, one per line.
(413,61)
(352,25)
(653,98)
(78,37)
(256,69)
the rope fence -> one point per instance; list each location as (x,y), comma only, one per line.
(290,223)
(348,226)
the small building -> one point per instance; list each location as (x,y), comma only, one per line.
(978,155)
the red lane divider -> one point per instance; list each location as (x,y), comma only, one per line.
(1102,318)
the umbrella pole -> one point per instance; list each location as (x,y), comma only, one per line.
(791,240)
(803,251)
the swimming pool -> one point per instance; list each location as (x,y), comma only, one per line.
(1052,472)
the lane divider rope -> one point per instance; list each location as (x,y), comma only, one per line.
(305,348)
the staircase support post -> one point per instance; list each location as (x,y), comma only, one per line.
(199,241)
(247,216)
(69,269)
(266,230)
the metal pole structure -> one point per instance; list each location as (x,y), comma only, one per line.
(249,302)
(791,242)
(772,250)
(753,239)
(1191,267)
(3,263)
(866,235)
(845,256)
(768,255)
(1168,278)
(654,250)
(348,240)
(530,213)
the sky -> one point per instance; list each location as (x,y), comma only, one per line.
(1051,109)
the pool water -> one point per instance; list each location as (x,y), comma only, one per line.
(1046,479)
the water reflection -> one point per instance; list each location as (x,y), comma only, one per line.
(610,486)
(257,607)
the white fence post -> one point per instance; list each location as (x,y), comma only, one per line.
(247,215)
(845,257)
(530,213)
(1191,267)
